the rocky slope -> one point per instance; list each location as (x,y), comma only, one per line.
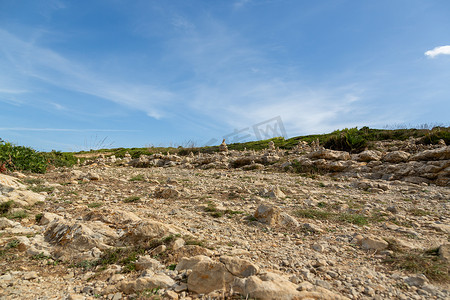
(233,225)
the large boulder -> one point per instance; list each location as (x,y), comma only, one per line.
(270,286)
(373,243)
(444,252)
(396,157)
(71,239)
(148,282)
(329,155)
(24,198)
(9,183)
(239,267)
(148,230)
(189,263)
(208,276)
(267,214)
(435,154)
(167,191)
(369,155)
(111,216)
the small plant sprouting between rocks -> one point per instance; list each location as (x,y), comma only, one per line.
(216,213)
(42,188)
(21,214)
(328,215)
(5,207)
(426,262)
(419,212)
(12,244)
(38,217)
(131,199)
(31,181)
(94,204)
(138,177)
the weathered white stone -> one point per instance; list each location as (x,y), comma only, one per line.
(267,214)
(208,276)
(396,156)
(444,252)
(147,262)
(239,267)
(373,243)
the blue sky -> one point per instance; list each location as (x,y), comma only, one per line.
(76,75)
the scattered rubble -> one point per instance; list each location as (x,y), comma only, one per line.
(308,223)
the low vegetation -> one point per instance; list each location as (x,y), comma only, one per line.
(131,199)
(318,214)
(21,158)
(353,140)
(426,262)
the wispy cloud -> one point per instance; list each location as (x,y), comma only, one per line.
(12,91)
(442,50)
(65,129)
(30,60)
(241,3)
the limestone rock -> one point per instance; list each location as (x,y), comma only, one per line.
(188,263)
(166,192)
(223,147)
(270,286)
(112,216)
(267,214)
(71,238)
(48,217)
(93,176)
(444,252)
(369,155)
(25,198)
(147,230)
(5,223)
(146,283)
(396,156)
(373,243)
(435,154)
(329,155)
(9,183)
(287,220)
(239,267)
(312,228)
(147,262)
(208,276)
(276,192)
(418,280)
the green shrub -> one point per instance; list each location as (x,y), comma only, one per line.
(5,207)
(38,217)
(138,177)
(60,159)
(21,214)
(21,158)
(42,188)
(436,134)
(425,262)
(350,140)
(131,199)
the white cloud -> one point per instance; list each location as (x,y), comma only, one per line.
(444,50)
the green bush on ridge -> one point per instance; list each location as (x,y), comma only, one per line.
(21,158)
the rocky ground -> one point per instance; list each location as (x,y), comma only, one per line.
(232,225)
